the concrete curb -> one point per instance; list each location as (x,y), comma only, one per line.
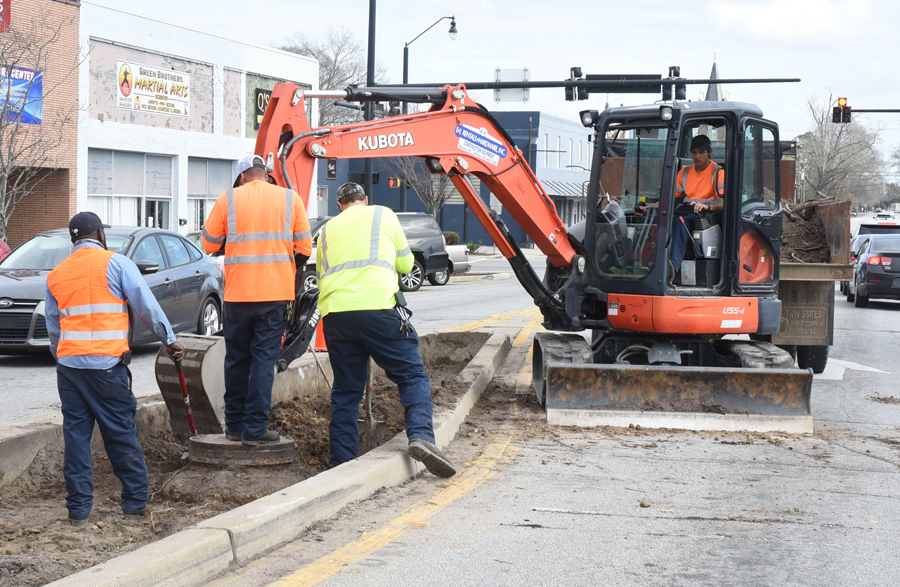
(199,552)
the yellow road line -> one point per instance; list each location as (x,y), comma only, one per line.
(523,379)
(495,456)
(525,334)
(492,320)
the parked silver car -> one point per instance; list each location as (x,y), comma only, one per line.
(187,284)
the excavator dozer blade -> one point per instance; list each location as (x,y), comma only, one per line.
(688,398)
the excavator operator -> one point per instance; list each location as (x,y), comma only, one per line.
(699,191)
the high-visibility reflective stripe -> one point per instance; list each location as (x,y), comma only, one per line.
(93,309)
(285,236)
(249,259)
(376,228)
(232,222)
(250,237)
(374,242)
(288,210)
(98,335)
(324,243)
(216,240)
(299,236)
(359,265)
(403,252)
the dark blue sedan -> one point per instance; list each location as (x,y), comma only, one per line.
(876,272)
(187,283)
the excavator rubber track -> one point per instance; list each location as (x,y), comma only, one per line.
(759,395)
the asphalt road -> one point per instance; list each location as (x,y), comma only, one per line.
(29,394)
(648,508)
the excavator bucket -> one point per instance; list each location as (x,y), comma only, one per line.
(663,396)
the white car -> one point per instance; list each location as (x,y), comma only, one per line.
(884,216)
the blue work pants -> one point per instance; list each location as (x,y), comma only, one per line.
(680,237)
(253,333)
(352,337)
(102,396)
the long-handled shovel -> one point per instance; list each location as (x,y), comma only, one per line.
(371,431)
(187,398)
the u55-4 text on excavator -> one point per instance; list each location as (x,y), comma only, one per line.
(664,349)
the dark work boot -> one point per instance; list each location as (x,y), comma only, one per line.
(431,456)
(233,436)
(269,437)
(138,515)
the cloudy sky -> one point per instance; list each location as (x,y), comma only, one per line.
(837,47)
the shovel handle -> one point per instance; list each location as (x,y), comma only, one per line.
(187,399)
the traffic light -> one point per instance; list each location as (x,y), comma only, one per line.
(394,182)
(841,112)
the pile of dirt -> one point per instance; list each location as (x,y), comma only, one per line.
(38,545)
(803,238)
(306,419)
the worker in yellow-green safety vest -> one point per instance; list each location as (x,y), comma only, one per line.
(359,254)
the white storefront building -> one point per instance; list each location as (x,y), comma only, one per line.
(166,113)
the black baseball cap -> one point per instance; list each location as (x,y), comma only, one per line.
(85,223)
(701,142)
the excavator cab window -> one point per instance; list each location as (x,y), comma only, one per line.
(624,244)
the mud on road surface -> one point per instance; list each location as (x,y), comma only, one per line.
(38,545)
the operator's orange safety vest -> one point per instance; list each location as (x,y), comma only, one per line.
(92,321)
(261,225)
(703,187)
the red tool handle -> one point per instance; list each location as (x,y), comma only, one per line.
(187,399)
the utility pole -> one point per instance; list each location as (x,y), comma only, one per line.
(370,106)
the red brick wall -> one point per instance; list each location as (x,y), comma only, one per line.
(53,202)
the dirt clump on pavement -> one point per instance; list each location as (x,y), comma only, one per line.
(804,241)
(38,545)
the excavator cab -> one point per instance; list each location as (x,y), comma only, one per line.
(667,341)
(638,156)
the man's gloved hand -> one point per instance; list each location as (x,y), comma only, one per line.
(175,351)
(640,210)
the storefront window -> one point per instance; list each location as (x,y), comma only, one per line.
(130,189)
(207,179)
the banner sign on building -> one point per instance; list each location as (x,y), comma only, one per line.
(151,89)
(21,94)
(261,97)
(4,15)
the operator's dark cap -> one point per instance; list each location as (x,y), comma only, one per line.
(85,223)
(701,142)
(348,189)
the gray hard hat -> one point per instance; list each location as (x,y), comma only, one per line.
(348,189)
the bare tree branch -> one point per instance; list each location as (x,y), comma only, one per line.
(342,63)
(30,153)
(433,190)
(841,160)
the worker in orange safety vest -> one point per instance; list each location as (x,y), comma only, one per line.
(265,233)
(87,322)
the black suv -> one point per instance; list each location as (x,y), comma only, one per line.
(426,241)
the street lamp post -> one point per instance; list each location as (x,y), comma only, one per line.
(452,33)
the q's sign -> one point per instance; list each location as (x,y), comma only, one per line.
(262,101)
(4,15)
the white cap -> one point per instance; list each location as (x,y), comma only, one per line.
(247,162)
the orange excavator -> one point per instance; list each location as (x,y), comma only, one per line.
(666,349)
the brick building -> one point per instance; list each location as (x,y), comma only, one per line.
(157,116)
(52,25)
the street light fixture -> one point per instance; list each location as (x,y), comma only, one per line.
(453,33)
